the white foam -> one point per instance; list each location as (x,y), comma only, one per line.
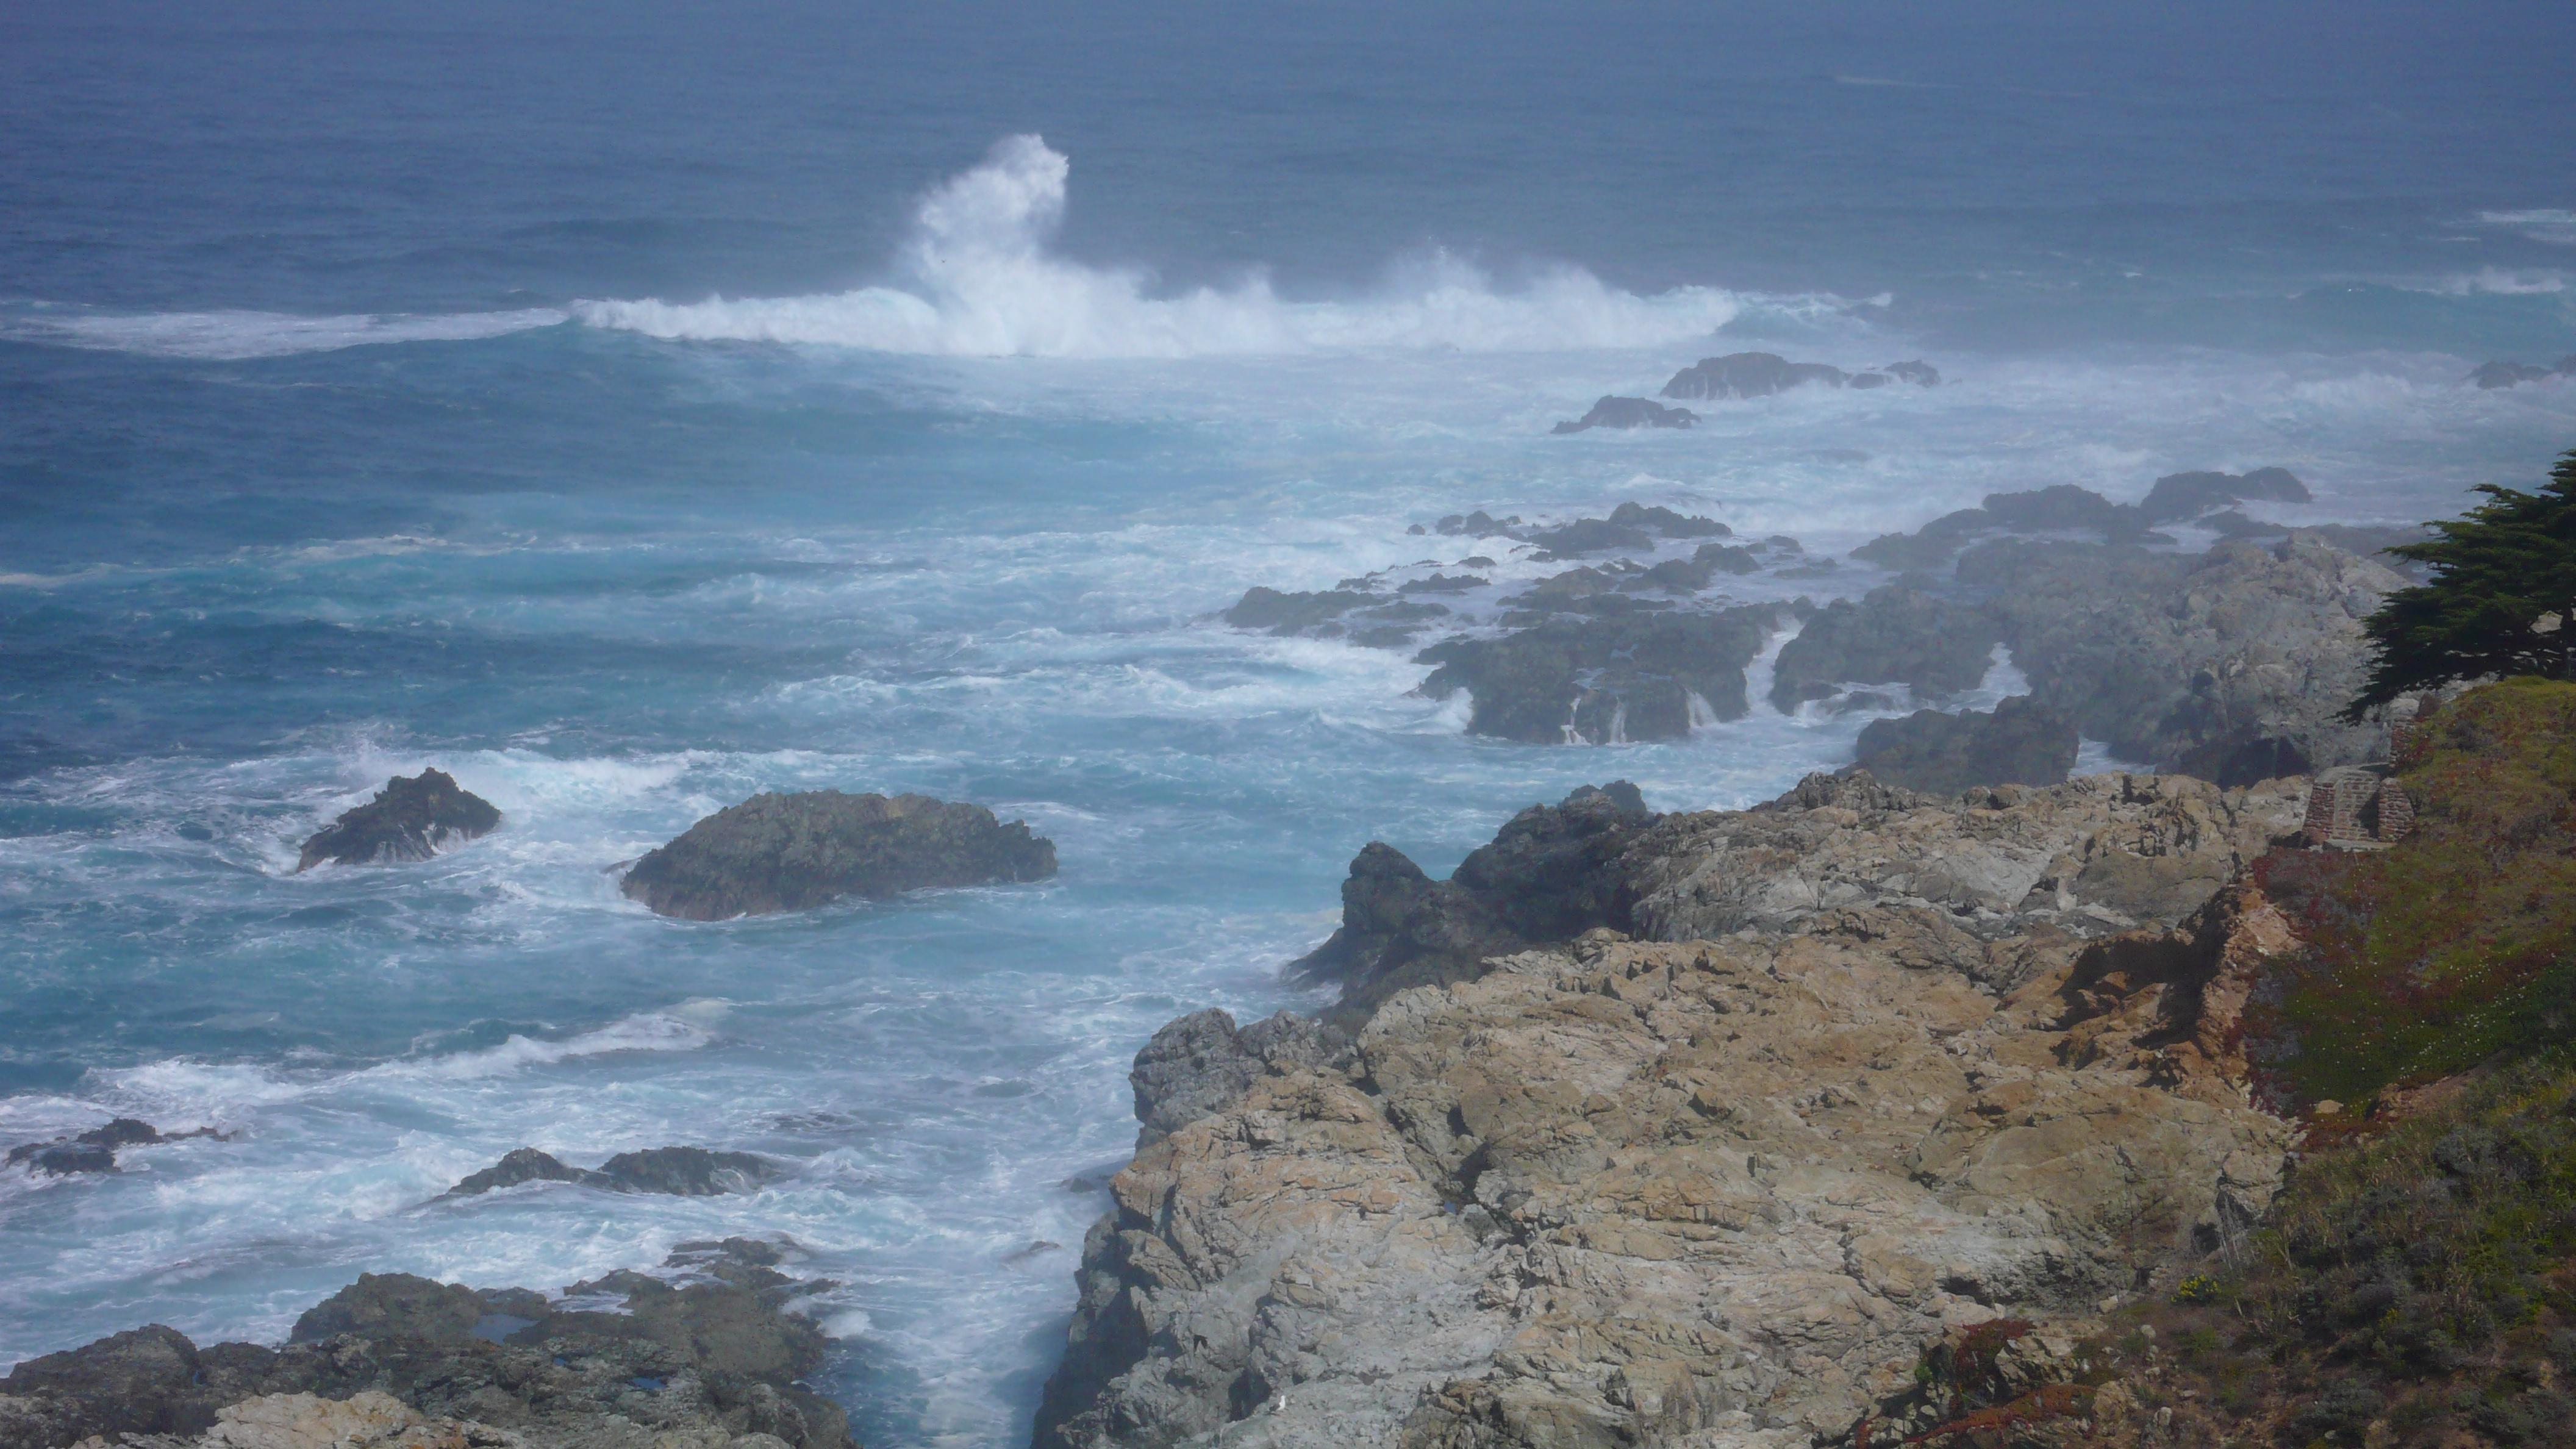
(2544,224)
(2502,282)
(233,336)
(977,278)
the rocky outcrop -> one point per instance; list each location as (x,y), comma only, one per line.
(1894,635)
(94,1150)
(676,1171)
(698,1356)
(1629,412)
(1549,873)
(2064,508)
(1749,374)
(2179,496)
(794,852)
(2017,743)
(1889,1070)
(2192,661)
(1639,676)
(409,819)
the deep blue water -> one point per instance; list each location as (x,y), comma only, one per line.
(629,409)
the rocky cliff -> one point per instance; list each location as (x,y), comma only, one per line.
(1753,1112)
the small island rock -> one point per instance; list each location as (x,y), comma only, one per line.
(410,819)
(779,852)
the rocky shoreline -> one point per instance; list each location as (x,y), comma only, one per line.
(706,1353)
(1760,1107)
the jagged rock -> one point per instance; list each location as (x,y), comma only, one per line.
(1895,635)
(94,1150)
(2061,506)
(1630,412)
(409,819)
(1478,524)
(791,852)
(678,1171)
(1749,374)
(2019,742)
(1725,1187)
(1202,1064)
(2172,657)
(703,1361)
(685,1171)
(1551,872)
(1648,676)
(2178,496)
(1440,583)
(1918,372)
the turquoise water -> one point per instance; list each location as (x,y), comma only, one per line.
(627,413)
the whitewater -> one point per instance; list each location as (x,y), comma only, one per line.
(879,414)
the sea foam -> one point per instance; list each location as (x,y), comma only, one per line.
(978,277)
(237,336)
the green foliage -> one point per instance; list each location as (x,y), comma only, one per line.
(2458,944)
(2426,1279)
(2502,600)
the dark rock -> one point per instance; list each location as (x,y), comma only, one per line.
(1479,524)
(1896,634)
(2179,496)
(94,1150)
(1667,523)
(392,1305)
(1690,575)
(791,852)
(2019,743)
(1548,875)
(1931,546)
(1748,374)
(1591,535)
(525,1164)
(1285,614)
(678,1171)
(2514,374)
(2231,760)
(1630,412)
(2168,657)
(410,819)
(721,1356)
(143,1381)
(2060,507)
(1919,373)
(1863,381)
(685,1171)
(1595,680)
(63,1159)
(1202,1064)
(1444,584)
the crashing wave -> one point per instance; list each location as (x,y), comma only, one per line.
(977,278)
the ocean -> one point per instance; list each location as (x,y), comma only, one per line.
(631,408)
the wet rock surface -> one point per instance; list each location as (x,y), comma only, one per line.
(94,1150)
(695,1357)
(1878,1069)
(2515,374)
(2018,742)
(1604,680)
(779,852)
(409,819)
(1629,412)
(675,1171)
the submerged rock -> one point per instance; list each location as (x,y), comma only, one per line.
(410,819)
(792,852)
(1749,374)
(94,1150)
(703,1355)
(1630,412)
(2018,743)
